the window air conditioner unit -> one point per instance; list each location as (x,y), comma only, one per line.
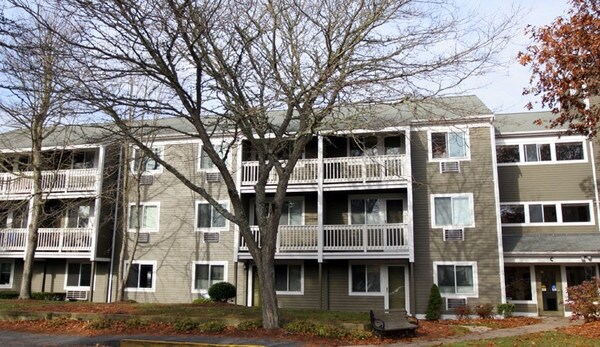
(449,166)
(212,177)
(144,238)
(454,234)
(211,237)
(146,180)
(77,295)
(452,303)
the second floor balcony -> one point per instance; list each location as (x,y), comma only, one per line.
(50,240)
(55,181)
(340,241)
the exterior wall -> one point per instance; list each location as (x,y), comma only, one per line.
(339,299)
(177,244)
(480,243)
(311,299)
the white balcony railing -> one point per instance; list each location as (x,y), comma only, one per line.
(336,170)
(58,181)
(339,238)
(49,240)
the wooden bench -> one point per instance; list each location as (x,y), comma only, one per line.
(395,320)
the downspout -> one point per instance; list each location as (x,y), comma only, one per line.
(496,181)
(116,215)
(591,155)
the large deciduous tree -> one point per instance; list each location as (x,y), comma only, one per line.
(565,63)
(225,66)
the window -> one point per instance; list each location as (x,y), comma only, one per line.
(146,163)
(20,216)
(518,283)
(365,279)
(78,216)
(205,163)
(456,279)
(288,279)
(6,274)
(366,146)
(292,212)
(79,275)
(547,212)
(537,152)
(83,160)
(449,145)
(141,277)
(569,151)
(147,216)
(208,273)
(207,217)
(453,210)
(365,211)
(508,154)
(577,274)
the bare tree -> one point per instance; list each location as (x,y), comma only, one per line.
(34,102)
(225,66)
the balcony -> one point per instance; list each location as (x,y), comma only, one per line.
(58,181)
(340,240)
(50,240)
(336,170)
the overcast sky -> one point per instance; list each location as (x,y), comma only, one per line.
(502,90)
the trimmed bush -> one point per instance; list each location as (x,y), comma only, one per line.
(9,295)
(463,312)
(485,311)
(185,325)
(222,291)
(212,327)
(202,301)
(99,324)
(434,307)
(506,310)
(49,296)
(136,323)
(584,299)
(249,325)
(309,328)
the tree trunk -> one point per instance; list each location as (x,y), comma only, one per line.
(33,226)
(268,297)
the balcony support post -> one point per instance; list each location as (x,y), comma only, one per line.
(320,174)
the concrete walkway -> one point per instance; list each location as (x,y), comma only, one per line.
(547,324)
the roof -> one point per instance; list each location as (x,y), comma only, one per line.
(547,243)
(525,122)
(61,136)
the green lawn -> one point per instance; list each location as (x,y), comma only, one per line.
(546,339)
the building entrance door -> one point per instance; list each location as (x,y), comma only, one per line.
(549,285)
(396,287)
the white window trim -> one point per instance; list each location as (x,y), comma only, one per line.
(381,292)
(161,155)
(204,292)
(144,262)
(214,168)
(383,198)
(544,140)
(455,129)
(456,195)
(12,273)
(473,264)
(211,229)
(301,292)
(533,286)
(558,205)
(67,287)
(142,204)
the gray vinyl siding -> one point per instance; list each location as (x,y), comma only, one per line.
(311,297)
(339,297)
(177,244)
(481,242)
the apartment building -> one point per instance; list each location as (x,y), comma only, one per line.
(386,201)
(73,252)
(548,189)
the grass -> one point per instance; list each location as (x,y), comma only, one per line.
(546,339)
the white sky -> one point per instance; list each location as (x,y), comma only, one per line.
(502,91)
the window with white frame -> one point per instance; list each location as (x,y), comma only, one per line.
(142,276)
(147,163)
(292,212)
(79,274)
(454,210)
(78,216)
(144,216)
(545,151)
(6,273)
(288,279)
(456,278)
(223,151)
(208,218)
(379,210)
(365,279)
(576,212)
(205,274)
(518,283)
(450,145)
